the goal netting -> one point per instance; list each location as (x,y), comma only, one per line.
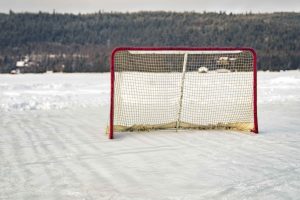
(183,89)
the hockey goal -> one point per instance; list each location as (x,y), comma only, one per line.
(183,88)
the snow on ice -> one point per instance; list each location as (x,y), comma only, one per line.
(53,146)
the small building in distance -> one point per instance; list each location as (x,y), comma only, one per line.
(23,65)
(225,64)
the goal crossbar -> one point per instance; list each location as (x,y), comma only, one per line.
(185,52)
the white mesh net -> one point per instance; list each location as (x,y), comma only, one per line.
(183,89)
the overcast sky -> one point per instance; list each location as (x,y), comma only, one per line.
(88,6)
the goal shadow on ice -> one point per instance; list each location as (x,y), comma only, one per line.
(171,133)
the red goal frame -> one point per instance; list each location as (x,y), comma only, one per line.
(112,71)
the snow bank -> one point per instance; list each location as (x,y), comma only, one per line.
(62,91)
(278,87)
(53,91)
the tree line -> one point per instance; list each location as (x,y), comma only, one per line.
(83,42)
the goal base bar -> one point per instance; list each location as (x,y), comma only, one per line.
(238,126)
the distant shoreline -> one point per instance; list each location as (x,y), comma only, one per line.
(70,73)
(84,42)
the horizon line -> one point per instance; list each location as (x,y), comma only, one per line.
(147,11)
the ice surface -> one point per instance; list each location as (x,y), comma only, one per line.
(53,146)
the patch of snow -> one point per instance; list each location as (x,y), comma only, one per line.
(52,91)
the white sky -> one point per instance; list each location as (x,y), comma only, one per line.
(88,6)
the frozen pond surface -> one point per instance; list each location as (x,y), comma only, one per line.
(52,146)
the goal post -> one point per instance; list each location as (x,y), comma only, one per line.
(183,88)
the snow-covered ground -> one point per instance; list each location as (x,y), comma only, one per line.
(53,146)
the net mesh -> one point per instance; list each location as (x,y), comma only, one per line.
(183,90)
